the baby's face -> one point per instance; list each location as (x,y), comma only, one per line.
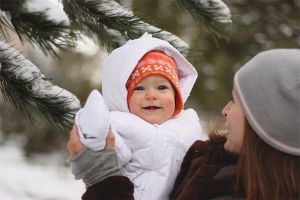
(153,99)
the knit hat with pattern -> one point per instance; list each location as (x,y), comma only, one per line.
(156,63)
(268,88)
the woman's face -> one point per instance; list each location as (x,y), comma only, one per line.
(235,123)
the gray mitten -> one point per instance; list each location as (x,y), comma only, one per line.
(93,167)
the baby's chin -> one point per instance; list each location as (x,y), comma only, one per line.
(157,120)
(154,118)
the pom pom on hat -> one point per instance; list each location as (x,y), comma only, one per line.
(156,63)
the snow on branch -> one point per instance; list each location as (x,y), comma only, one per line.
(52,12)
(221,10)
(214,15)
(23,85)
(39,22)
(113,9)
(206,10)
(103,19)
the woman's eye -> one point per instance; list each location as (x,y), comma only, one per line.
(139,88)
(162,87)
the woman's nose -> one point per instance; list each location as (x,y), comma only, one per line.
(226,109)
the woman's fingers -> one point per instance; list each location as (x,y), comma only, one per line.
(74,145)
(110,140)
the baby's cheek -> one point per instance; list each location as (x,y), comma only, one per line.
(170,103)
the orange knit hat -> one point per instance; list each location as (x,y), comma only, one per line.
(156,63)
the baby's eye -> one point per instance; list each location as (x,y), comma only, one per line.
(162,87)
(139,88)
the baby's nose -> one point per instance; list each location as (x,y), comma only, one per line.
(151,95)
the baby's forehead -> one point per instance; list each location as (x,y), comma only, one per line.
(155,78)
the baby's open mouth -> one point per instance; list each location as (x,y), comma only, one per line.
(151,107)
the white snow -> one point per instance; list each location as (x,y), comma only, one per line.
(53,13)
(112,8)
(117,36)
(86,46)
(8,15)
(224,11)
(21,179)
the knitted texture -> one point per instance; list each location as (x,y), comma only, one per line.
(93,167)
(268,88)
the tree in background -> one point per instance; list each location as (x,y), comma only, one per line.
(106,22)
(262,25)
(259,26)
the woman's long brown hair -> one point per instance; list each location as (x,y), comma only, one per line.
(263,172)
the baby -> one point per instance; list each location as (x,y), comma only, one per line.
(145,84)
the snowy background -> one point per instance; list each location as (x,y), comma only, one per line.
(43,177)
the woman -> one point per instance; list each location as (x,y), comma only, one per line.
(263,121)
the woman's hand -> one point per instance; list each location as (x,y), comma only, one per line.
(75,146)
(110,140)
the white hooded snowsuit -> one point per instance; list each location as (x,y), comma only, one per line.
(150,154)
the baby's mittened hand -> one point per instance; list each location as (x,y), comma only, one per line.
(93,122)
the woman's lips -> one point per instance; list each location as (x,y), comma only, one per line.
(226,131)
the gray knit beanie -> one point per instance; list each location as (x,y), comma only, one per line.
(268,88)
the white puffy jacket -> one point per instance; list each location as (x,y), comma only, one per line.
(150,154)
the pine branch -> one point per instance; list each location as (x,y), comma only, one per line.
(110,25)
(24,86)
(35,27)
(212,14)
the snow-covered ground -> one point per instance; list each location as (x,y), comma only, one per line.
(41,178)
